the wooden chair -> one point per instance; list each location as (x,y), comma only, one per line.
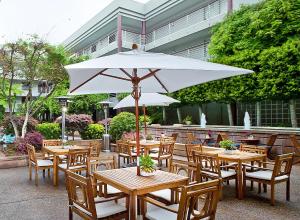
(189,205)
(94,158)
(270,143)
(280,173)
(174,135)
(83,203)
(165,152)
(38,164)
(210,167)
(171,196)
(189,148)
(222,136)
(52,143)
(77,161)
(190,138)
(125,150)
(296,145)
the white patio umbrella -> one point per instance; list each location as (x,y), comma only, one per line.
(136,70)
(146,99)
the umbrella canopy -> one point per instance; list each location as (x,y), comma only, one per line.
(135,70)
(146,99)
(156,72)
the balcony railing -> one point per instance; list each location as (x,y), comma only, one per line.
(197,52)
(203,14)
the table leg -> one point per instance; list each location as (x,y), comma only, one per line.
(132,206)
(55,170)
(240,180)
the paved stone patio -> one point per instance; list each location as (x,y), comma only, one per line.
(21,199)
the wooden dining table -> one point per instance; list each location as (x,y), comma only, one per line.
(57,151)
(238,157)
(127,181)
(147,145)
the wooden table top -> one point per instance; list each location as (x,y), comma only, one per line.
(146,143)
(127,181)
(60,150)
(235,156)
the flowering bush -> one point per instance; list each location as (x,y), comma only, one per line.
(19,120)
(93,131)
(49,130)
(33,138)
(76,122)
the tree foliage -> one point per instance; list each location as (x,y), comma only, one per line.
(264,38)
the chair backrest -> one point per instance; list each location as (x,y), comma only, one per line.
(123,147)
(52,143)
(166,147)
(31,154)
(80,193)
(253,149)
(78,158)
(271,140)
(208,164)
(190,138)
(283,165)
(174,135)
(295,142)
(189,202)
(189,148)
(95,148)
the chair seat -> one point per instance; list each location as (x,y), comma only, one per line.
(159,213)
(164,194)
(224,173)
(264,175)
(105,209)
(62,157)
(64,166)
(44,163)
(154,150)
(155,156)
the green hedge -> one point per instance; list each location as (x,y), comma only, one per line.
(49,130)
(123,122)
(93,131)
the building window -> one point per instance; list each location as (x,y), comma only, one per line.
(25,85)
(93,48)
(111,38)
(44,87)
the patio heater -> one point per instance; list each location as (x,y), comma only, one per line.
(63,101)
(106,137)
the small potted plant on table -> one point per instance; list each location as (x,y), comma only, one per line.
(228,145)
(149,138)
(188,120)
(147,166)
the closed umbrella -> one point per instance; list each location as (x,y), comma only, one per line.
(135,70)
(146,99)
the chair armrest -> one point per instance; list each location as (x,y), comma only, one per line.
(159,204)
(256,167)
(121,196)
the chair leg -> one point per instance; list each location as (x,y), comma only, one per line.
(265,188)
(119,161)
(288,190)
(36,177)
(259,187)
(70,214)
(272,194)
(30,171)
(49,173)
(251,188)
(44,173)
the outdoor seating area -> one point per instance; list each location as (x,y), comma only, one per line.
(149,110)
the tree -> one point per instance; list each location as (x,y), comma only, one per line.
(265,38)
(29,60)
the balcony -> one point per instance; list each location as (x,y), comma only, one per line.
(197,52)
(196,21)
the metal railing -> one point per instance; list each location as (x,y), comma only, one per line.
(197,52)
(203,14)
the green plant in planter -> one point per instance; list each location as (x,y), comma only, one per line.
(147,164)
(188,120)
(147,118)
(123,122)
(93,131)
(149,137)
(227,145)
(49,130)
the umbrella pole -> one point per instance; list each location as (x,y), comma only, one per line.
(145,123)
(136,96)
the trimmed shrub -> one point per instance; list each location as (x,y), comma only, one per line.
(19,120)
(93,131)
(123,122)
(49,130)
(33,138)
(142,118)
